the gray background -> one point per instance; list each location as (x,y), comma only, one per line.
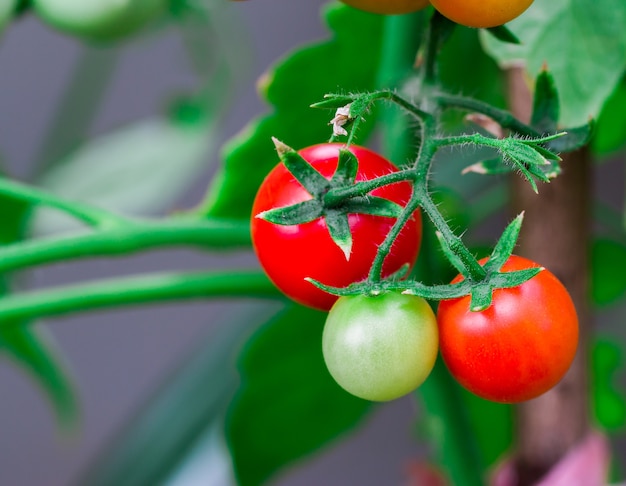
(119,357)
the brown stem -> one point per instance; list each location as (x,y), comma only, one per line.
(555,234)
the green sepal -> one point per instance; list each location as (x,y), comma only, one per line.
(505,245)
(573,138)
(375,206)
(334,101)
(339,229)
(504,34)
(409,287)
(546,107)
(299,213)
(347,168)
(481,297)
(507,280)
(360,106)
(314,182)
(482,293)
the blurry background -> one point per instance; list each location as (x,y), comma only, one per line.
(118,358)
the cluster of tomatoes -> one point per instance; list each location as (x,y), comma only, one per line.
(383,347)
(472,13)
(102,20)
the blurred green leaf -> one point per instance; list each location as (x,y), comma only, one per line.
(155,442)
(140,169)
(350,59)
(35,352)
(465,69)
(583,44)
(608,271)
(610,135)
(7,8)
(288,405)
(609,402)
(79,104)
(31,349)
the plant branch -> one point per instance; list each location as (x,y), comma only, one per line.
(134,290)
(142,235)
(91,215)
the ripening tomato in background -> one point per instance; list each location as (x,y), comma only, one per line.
(519,347)
(380,348)
(289,254)
(101,20)
(481,13)
(390,7)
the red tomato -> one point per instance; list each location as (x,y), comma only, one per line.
(519,347)
(288,254)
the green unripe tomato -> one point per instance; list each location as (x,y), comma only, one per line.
(380,348)
(100,20)
(7,9)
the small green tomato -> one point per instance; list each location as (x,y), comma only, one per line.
(100,20)
(380,348)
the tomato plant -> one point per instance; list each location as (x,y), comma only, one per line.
(380,348)
(291,253)
(101,20)
(481,13)
(519,347)
(391,7)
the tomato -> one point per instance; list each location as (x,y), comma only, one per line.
(481,13)
(520,346)
(289,254)
(101,20)
(388,6)
(380,348)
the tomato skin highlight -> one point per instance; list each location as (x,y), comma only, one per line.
(519,347)
(380,348)
(481,13)
(289,254)
(388,7)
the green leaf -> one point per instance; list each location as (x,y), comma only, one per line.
(583,43)
(504,34)
(609,403)
(290,87)
(299,213)
(610,135)
(574,138)
(288,405)
(546,107)
(140,169)
(168,425)
(608,271)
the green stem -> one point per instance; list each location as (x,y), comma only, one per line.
(470,266)
(504,118)
(214,234)
(335,196)
(376,270)
(91,215)
(134,290)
